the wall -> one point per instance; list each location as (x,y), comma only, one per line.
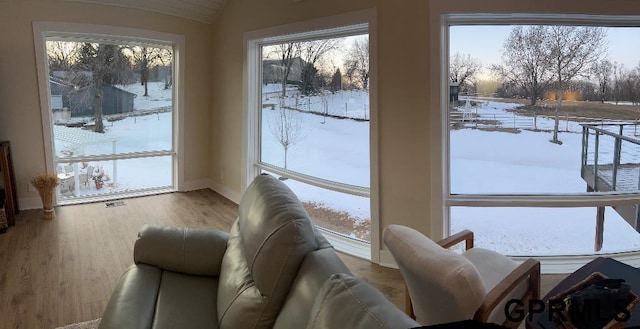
(20,116)
(402,98)
(410,124)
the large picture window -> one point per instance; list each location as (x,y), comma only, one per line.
(111,111)
(311,114)
(542,133)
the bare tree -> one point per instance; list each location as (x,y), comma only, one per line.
(62,54)
(462,69)
(286,127)
(525,61)
(357,61)
(288,53)
(630,82)
(311,53)
(572,50)
(324,98)
(618,73)
(107,64)
(146,58)
(603,70)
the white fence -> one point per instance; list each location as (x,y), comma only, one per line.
(473,119)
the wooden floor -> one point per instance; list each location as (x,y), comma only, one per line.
(62,271)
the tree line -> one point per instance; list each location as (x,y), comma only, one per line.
(552,62)
(312,65)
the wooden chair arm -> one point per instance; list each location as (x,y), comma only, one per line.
(464,235)
(529,269)
(408,304)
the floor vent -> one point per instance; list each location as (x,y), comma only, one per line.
(112,204)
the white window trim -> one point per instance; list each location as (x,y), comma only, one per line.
(364,21)
(440,152)
(80,32)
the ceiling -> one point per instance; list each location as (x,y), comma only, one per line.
(205,11)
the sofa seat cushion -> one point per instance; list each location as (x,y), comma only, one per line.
(348,302)
(186,301)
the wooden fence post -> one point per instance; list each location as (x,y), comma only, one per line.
(535,122)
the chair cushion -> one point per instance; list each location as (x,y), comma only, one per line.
(493,268)
(444,286)
(186,301)
(347,302)
(265,249)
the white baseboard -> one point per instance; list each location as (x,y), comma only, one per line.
(347,245)
(36,203)
(196,185)
(30,203)
(226,192)
(210,184)
(386,259)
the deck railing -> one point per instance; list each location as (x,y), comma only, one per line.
(603,155)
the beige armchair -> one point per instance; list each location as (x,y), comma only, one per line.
(444,286)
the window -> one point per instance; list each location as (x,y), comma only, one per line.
(310,113)
(111,110)
(541,138)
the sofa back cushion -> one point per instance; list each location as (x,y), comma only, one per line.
(316,269)
(265,249)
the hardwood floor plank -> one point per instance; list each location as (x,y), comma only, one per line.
(62,271)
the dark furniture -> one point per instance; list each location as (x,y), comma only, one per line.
(8,183)
(607,266)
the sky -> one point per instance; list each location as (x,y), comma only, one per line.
(485,43)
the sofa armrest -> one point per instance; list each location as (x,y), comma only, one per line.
(180,249)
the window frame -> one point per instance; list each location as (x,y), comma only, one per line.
(335,26)
(440,125)
(80,32)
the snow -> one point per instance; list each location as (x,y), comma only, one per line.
(132,134)
(494,162)
(338,150)
(482,162)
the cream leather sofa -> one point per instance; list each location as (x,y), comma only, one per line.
(272,270)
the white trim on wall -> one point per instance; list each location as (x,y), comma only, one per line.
(108,34)
(442,199)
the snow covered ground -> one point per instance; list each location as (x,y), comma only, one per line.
(482,162)
(526,162)
(132,134)
(338,150)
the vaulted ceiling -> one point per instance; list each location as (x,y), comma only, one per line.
(205,11)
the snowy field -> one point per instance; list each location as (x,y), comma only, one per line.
(482,161)
(338,150)
(131,134)
(526,162)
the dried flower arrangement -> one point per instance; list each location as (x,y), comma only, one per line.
(45,184)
